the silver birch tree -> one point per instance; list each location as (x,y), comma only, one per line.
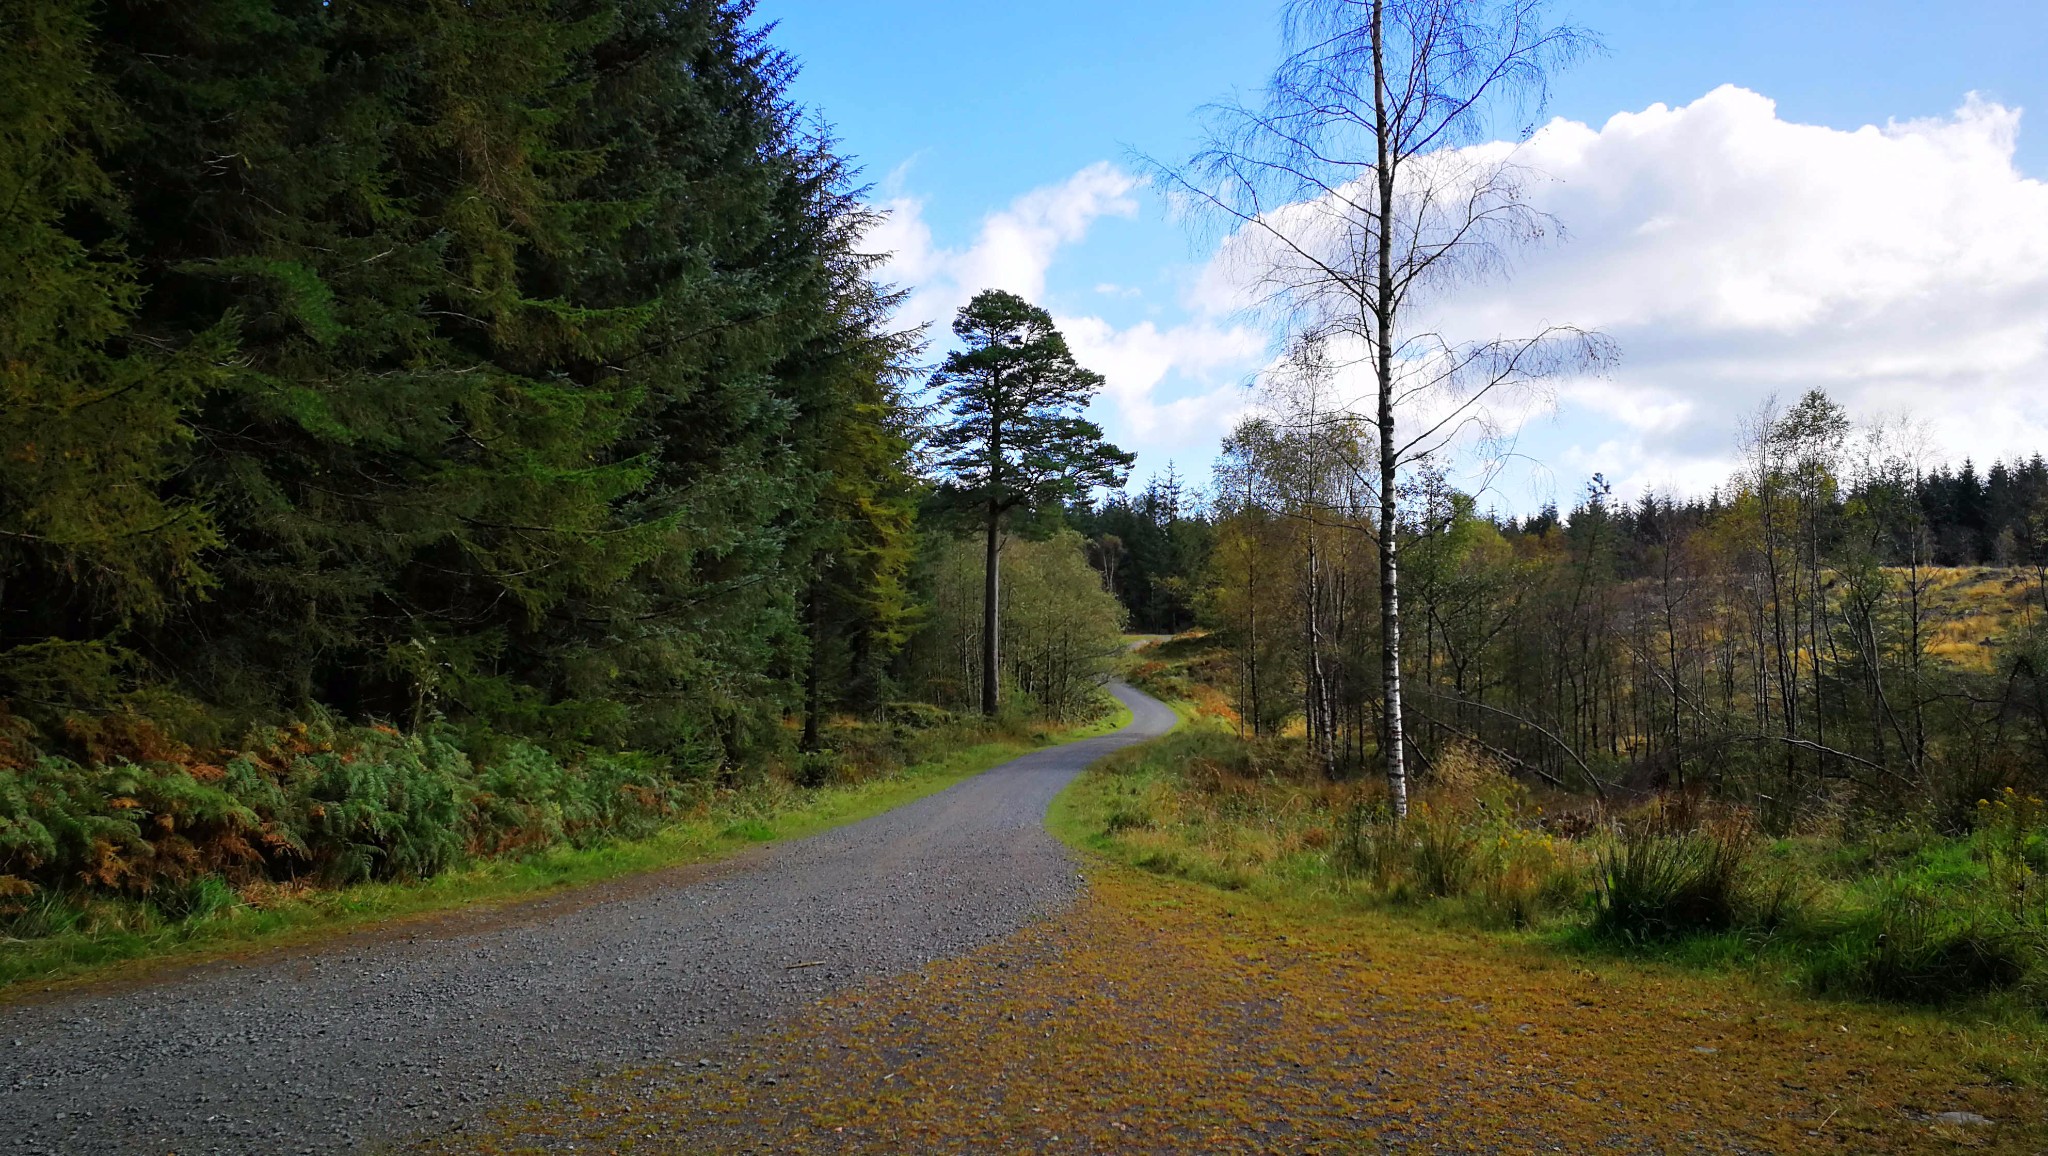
(1362,186)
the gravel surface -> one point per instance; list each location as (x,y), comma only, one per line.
(334,1050)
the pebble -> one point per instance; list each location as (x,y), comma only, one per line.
(1962,1119)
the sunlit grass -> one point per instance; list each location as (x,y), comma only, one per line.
(1900,916)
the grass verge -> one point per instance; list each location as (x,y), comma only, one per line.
(1161,1018)
(739,820)
(1908,927)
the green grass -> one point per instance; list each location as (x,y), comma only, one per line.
(109,939)
(1900,918)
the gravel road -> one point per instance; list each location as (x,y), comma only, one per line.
(334,1049)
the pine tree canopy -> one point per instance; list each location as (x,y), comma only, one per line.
(1012,397)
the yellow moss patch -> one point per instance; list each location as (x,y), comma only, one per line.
(1164,1017)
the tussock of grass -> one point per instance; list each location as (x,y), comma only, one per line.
(1912,949)
(1659,885)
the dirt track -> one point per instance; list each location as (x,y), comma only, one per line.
(388,1039)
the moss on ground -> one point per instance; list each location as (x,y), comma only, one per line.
(1161,1016)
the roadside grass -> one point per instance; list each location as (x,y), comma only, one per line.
(1899,918)
(1280,1006)
(73,940)
(1157,1017)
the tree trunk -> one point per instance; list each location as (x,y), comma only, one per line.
(1319,720)
(1390,585)
(812,674)
(991,699)
(1671,656)
(1251,602)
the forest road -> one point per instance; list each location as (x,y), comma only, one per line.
(326,1050)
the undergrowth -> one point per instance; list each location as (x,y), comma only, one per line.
(148,847)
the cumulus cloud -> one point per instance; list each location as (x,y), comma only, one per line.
(1015,247)
(1137,360)
(1734,255)
(1012,250)
(1731,254)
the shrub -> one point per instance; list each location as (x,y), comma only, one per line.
(1445,845)
(922,716)
(1654,885)
(196,899)
(58,823)
(519,802)
(395,808)
(1132,817)
(1525,874)
(623,796)
(816,768)
(1364,841)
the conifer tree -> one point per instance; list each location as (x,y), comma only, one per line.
(1013,434)
(509,362)
(92,414)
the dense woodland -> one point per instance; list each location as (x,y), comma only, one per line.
(430,429)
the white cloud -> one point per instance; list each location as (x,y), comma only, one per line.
(1013,249)
(1731,254)
(1136,361)
(1734,255)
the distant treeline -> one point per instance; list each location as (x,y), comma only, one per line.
(1964,519)
(1152,546)
(1802,634)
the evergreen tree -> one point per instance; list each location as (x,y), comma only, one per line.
(93,415)
(509,362)
(1151,550)
(1012,435)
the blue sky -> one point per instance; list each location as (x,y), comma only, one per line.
(979,125)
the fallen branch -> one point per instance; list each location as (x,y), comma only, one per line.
(1810,745)
(1495,751)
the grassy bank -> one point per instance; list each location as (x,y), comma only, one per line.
(1954,924)
(54,937)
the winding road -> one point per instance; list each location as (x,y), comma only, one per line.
(379,1038)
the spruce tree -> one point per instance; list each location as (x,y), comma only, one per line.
(93,415)
(513,363)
